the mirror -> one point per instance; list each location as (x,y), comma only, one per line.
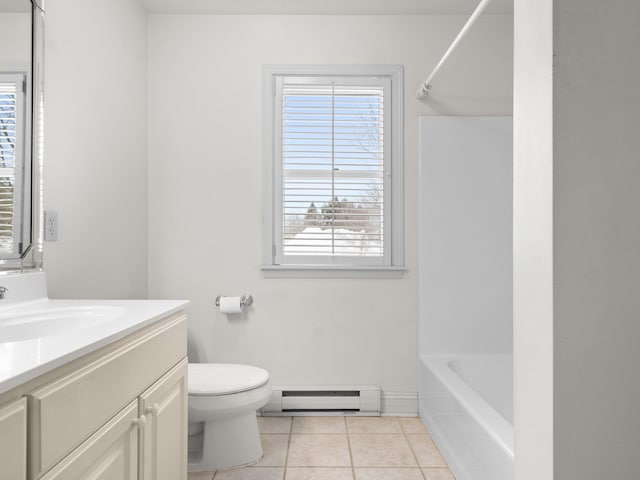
(21,102)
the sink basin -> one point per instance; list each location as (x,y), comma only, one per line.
(29,324)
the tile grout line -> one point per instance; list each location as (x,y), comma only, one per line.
(446,467)
(415,457)
(286,455)
(346,431)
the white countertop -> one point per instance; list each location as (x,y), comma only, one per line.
(21,361)
(27,359)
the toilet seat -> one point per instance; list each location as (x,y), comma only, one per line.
(214,379)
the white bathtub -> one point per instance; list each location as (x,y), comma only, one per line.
(466,401)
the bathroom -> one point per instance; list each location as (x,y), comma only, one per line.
(187,174)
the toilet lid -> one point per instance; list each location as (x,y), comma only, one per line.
(224,378)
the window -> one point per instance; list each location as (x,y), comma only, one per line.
(12,145)
(333,171)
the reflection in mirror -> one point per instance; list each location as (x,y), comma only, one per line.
(20,156)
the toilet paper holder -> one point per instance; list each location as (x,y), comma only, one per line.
(246,300)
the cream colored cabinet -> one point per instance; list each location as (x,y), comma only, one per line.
(110,454)
(146,440)
(118,413)
(164,438)
(13,440)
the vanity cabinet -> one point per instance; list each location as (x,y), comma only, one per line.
(164,407)
(146,440)
(118,413)
(13,440)
(110,454)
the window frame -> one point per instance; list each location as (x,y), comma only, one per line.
(391,265)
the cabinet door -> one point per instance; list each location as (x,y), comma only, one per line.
(93,394)
(109,454)
(13,440)
(164,443)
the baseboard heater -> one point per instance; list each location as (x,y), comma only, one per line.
(343,400)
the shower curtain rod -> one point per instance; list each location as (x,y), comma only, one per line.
(425,87)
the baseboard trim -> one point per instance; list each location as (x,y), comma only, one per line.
(399,404)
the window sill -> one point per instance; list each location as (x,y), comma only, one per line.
(332,271)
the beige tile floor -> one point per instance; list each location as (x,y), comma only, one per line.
(341,448)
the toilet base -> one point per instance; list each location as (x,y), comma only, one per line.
(229,442)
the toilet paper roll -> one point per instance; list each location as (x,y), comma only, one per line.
(230,305)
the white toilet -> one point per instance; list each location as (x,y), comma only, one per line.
(223,428)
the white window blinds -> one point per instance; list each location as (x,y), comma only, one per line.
(12,94)
(332,171)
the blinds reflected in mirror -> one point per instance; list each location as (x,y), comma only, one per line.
(12,133)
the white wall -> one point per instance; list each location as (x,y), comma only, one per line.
(15,40)
(205,180)
(466,231)
(596,239)
(95,172)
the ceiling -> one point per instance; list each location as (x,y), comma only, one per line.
(326,7)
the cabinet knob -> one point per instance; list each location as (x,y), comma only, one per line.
(141,422)
(154,410)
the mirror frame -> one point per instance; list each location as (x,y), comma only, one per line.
(31,259)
